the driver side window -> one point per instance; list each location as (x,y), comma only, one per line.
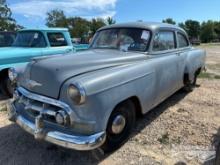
(164,40)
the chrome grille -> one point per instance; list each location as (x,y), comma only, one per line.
(35,107)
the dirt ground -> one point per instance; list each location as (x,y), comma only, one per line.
(184,128)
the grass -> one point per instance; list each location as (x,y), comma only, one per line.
(3,108)
(207,75)
(210,44)
(213,66)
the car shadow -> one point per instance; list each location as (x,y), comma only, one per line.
(153,114)
(19,147)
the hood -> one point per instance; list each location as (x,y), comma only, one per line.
(51,72)
(9,54)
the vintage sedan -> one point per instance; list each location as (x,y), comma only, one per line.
(92,99)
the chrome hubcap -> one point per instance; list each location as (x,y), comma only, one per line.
(118,124)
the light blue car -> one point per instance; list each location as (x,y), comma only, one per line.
(31,43)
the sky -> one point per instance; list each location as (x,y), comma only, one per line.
(32,13)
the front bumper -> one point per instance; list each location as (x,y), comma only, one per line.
(56,137)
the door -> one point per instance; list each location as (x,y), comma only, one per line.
(167,59)
(58,44)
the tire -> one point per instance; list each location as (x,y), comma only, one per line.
(190,85)
(115,138)
(217,158)
(6,87)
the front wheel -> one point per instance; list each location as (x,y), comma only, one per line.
(217,158)
(120,126)
(6,87)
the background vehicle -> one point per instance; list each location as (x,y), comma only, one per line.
(31,43)
(92,99)
(195,41)
(7,38)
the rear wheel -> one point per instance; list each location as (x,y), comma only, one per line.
(120,126)
(190,84)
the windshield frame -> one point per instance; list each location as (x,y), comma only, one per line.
(147,46)
(30,31)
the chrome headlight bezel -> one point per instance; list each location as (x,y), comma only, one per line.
(76,93)
(13,75)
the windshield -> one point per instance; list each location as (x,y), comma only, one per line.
(124,39)
(30,39)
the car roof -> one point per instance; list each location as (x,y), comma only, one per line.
(46,29)
(7,32)
(144,25)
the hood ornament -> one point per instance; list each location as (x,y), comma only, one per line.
(31,84)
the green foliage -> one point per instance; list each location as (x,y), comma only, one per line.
(192,28)
(208,32)
(207,75)
(56,18)
(217,29)
(78,27)
(110,21)
(95,24)
(164,139)
(7,23)
(169,21)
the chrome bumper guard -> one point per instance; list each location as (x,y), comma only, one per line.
(65,140)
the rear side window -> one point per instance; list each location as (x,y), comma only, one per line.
(164,40)
(182,40)
(56,39)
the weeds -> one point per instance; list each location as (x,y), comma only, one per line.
(164,139)
(208,75)
(3,108)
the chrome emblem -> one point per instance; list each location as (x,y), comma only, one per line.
(31,84)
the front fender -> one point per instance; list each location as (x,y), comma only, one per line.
(17,66)
(107,88)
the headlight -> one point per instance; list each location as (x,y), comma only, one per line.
(77,94)
(12,74)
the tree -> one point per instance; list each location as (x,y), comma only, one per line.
(217,29)
(182,25)
(192,28)
(95,24)
(79,27)
(208,33)
(7,23)
(169,21)
(56,18)
(110,21)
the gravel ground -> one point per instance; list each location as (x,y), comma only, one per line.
(184,128)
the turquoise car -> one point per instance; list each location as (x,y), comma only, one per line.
(31,43)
